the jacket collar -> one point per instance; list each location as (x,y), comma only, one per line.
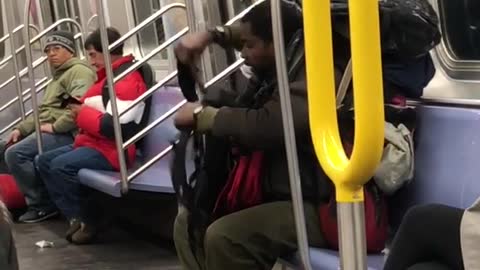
(101,74)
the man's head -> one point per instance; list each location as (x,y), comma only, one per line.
(59,48)
(93,46)
(257,35)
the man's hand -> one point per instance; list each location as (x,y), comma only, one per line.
(14,137)
(184,118)
(47,128)
(191,46)
(75,109)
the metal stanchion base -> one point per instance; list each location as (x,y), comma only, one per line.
(352,241)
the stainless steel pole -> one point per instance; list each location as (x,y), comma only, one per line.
(113,97)
(18,84)
(351,236)
(31,74)
(289,133)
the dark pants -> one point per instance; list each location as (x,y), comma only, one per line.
(3,165)
(249,239)
(20,161)
(59,170)
(428,238)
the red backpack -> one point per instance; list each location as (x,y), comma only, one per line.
(244,186)
(10,194)
(376,213)
(376,220)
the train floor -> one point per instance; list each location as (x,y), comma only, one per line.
(116,249)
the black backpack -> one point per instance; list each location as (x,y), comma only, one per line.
(130,129)
(409,28)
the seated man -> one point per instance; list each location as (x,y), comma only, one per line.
(253,238)
(71,78)
(94,147)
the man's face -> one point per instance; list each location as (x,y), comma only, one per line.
(57,55)
(95,58)
(258,54)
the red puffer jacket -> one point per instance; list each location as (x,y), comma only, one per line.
(95,121)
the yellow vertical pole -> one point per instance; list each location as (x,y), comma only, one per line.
(349,176)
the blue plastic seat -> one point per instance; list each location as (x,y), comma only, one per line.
(446,172)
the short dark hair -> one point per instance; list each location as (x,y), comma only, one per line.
(94,40)
(260,19)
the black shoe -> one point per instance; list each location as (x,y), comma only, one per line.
(34,216)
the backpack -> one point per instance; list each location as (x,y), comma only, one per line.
(132,128)
(409,28)
(375,205)
(376,220)
(10,193)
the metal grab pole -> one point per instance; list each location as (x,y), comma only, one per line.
(31,74)
(113,96)
(83,18)
(18,83)
(289,133)
(348,174)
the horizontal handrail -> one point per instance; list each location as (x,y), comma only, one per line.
(144,24)
(43,33)
(141,62)
(18,28)
(53,26)
(14,123)
(24,94)
(155,123)
(241,14)
(225,73)
(157,50)
(18,120)
(149,92)
(38,90)
(149,163)
(24,71)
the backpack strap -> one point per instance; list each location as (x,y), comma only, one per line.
(129,129)
(344,84)
(116,72)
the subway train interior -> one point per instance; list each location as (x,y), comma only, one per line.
(140,228)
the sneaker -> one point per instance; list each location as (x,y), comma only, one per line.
(75,225)
(84,235)
(34,216)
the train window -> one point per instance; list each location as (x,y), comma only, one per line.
(461,28)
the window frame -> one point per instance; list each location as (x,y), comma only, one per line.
(457,69)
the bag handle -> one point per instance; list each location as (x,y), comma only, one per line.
(344,83)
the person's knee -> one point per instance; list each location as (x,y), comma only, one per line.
(220,236)
(422,214)
(11,155)
(58,167)
(42,163)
